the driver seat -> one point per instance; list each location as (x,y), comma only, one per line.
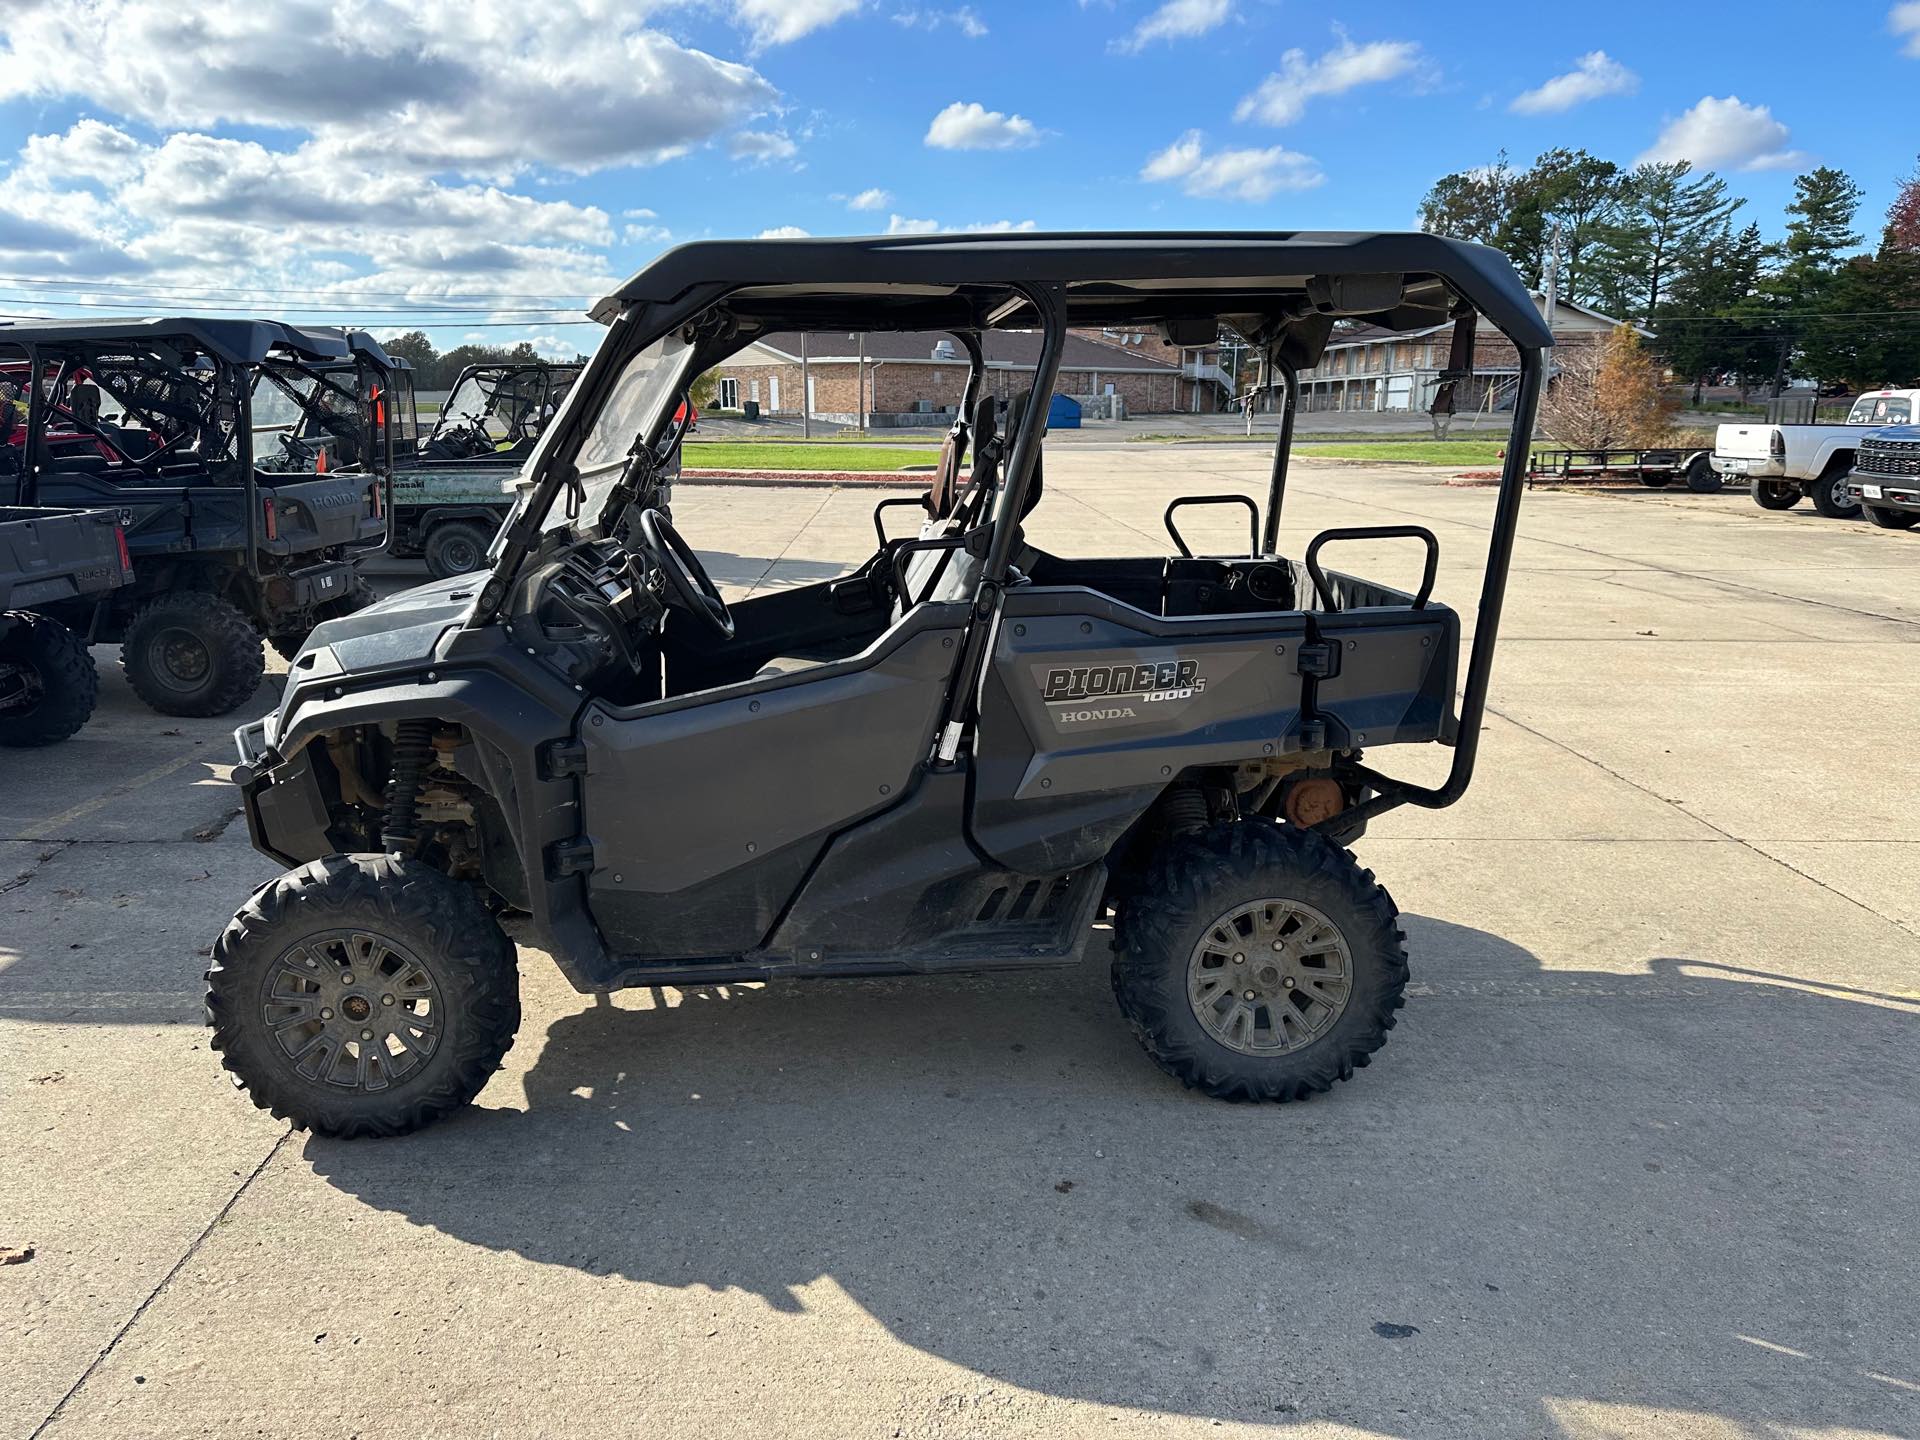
(953,574)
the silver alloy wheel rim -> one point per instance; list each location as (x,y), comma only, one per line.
(1270,977)
(1841,499)
(352,1010)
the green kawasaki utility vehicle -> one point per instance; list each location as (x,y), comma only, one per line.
(965,753)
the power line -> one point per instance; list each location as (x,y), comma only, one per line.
(186,302)
(432,325)
(155,287)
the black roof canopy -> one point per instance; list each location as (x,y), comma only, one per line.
(242,342)
(1284,283)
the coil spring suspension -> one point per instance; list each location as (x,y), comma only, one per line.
(412,749)
(1185,809)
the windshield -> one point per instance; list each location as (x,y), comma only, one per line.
(1881,410)
(632,410)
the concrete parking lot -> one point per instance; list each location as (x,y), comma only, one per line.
(1642,1159)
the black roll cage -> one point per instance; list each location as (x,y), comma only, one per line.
(697,310)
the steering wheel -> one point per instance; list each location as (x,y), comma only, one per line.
(691,588)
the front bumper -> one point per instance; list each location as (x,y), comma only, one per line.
(1748,467)
(1884,492)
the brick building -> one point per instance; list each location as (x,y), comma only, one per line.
(1368,368)
(918,377)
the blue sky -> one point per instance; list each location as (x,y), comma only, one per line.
(489,166)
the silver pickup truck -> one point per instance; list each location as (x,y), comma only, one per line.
(1782,463)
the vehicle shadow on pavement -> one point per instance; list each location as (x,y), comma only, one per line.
(1559,1202)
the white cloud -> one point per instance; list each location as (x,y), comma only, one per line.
(874,199)
(645,234)
(1252,174)
(762,146)
(1282,97)
(968,125)
(489,88)
(1725,134)
(202,211)
(779,22)
(1904,21)
(965,19)
(1176,20)
(901,225)
(1594,75)
(998,227)
(783,232)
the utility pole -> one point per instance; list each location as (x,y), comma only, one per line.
(806,391)
(860,384)
(1553,276)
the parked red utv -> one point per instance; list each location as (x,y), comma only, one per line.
(964,754)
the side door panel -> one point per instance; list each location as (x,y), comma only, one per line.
(706,812)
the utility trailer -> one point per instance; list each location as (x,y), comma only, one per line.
(959,755)
(1656,469)
(67,559)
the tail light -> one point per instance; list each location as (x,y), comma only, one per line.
(1778,445)
(379,488)
(269,519)
(126,560)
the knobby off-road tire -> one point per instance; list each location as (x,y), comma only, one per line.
(1774,494)
(458,547)
(62,684)
(192,653)
(1827,497)
(1892,519)
(1304,910)
(358,946)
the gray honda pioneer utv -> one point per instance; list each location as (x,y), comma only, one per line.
(963,755)
(237,530)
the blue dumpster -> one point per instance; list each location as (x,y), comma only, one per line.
(1063,413)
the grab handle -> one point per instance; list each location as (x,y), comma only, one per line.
(1374,532)
(1253,520)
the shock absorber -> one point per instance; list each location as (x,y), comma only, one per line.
(1184,808)
(412,749)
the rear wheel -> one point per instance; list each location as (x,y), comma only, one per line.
(363,995)
(48,686)
(1892,519)
(1259,962)
(1702,478)
(191,653)
(457,547)
(1829,492)
(1774,494)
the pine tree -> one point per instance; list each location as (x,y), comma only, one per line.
(1697,325)
(1663,217)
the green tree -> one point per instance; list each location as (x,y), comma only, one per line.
(1698,325)
(1663,217)
(1472,204)
(1578,194)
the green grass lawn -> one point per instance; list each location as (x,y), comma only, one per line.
(1417,452)
(770,455)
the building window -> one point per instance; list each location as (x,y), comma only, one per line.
(753,391)
(729,393)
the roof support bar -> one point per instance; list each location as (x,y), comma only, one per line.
(1486,625)
(1282,453)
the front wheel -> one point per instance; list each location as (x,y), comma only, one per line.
(48,685)
(1892,519)
(191,653)
(363,995)
(1829,492)
(1774,494)
(1260,962)
(458,547)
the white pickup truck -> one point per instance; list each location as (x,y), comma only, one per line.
(1784,462)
